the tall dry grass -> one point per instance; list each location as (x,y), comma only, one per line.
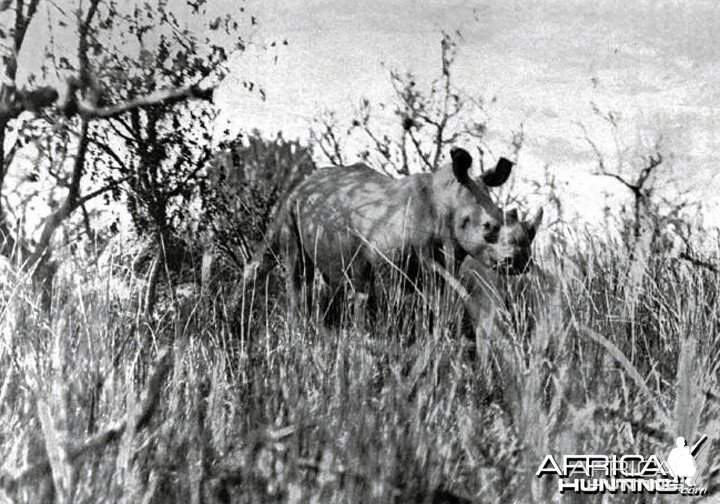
(221,398)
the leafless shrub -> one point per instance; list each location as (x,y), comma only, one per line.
(429,121)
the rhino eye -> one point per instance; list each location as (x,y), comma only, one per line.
(487,226)
(465,221)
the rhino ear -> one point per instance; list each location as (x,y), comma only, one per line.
(461,162)
(499,175)
(534,223)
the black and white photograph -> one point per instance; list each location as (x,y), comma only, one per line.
(359,251)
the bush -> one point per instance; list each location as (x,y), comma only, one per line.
(247,179)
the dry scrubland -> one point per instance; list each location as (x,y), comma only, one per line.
(118,387)
(207,403)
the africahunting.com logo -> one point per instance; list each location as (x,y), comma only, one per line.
(593,474)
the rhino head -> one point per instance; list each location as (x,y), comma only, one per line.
(511,253)
(480,228)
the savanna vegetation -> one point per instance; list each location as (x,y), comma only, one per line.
(132,371)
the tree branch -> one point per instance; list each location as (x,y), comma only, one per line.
(14,102)
(70,203)
(418,149)
(653,161)
(22,22)
(161,97)
(634,188)
(84,31)
(383,147)
(8,158)
(201,163)
(332,151)
(110,152)
(129,135)
(97,192)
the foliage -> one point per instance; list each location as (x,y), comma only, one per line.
(163,148)
(127,116)
(247,180)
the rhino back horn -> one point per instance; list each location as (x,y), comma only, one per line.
(498,175)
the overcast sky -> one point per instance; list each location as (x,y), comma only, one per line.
(657,63)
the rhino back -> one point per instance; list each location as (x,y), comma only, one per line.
(355,213)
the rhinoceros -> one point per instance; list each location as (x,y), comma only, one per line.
(347,222)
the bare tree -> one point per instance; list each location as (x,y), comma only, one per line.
(651,217)
(638,182)
(430,120)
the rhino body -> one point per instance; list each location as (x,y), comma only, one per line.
(347,222)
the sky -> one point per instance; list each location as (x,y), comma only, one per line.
(655,63)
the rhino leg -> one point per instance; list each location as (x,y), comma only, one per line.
(299,273)
(299,281)
(366,306)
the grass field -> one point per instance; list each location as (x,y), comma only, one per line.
(205,402)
